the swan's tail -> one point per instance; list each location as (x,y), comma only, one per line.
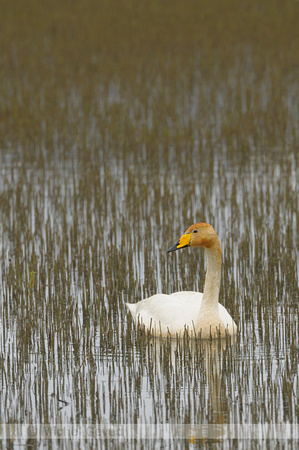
(132,308)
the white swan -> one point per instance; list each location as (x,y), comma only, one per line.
(200,314)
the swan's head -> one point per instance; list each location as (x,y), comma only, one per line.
(198,235)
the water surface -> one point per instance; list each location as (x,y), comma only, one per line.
(105,160)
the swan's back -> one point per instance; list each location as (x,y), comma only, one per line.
(172,314)
(168,313)
(179,307)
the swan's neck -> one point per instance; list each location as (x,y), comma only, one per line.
(213,277)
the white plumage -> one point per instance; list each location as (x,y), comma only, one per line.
(200,314)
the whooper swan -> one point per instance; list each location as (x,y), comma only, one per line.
(200,314)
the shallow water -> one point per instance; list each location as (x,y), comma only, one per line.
(103,166)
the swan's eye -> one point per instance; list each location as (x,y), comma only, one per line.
(195,231)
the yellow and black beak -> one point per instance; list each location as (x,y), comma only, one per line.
(183,242)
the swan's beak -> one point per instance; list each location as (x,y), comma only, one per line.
(183,242)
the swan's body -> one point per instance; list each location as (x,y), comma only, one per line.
(199,314)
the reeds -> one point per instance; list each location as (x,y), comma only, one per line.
(123,126)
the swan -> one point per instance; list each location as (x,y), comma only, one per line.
(200,314)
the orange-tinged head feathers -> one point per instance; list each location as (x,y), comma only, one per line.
(198,235)
(199,226)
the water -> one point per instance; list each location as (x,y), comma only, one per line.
(105,161)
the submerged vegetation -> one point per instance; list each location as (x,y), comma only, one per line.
(123,123)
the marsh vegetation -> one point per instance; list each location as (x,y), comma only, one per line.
(122,124)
